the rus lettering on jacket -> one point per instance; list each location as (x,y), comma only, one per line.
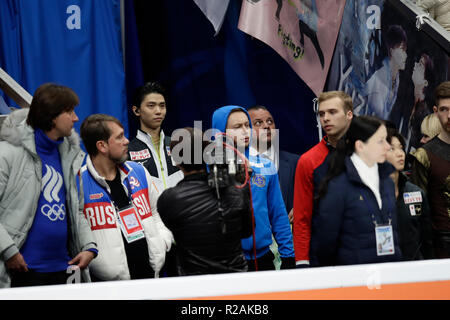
(142,203)
(100,215)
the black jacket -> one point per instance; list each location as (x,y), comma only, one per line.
(206,240)
(414,225)
(164,173)
(286,175)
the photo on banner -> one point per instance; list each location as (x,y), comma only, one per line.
(388,66)
(303,32)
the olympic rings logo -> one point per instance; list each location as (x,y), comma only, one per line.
(54,212)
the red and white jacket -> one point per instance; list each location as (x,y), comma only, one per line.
(111,262)
(311,169)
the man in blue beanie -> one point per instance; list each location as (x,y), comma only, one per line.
(269,209)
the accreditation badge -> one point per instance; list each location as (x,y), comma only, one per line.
(385,240)
(415,209)
(130,224)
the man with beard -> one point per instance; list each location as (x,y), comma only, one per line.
(120,206)
(431,172)
(266,144)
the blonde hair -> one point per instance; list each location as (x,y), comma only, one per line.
(430,126)
(345,98)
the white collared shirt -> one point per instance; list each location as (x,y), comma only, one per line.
(368,175)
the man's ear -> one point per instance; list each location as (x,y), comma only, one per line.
(435,109)
(136,111)
(101,146)
(349,115)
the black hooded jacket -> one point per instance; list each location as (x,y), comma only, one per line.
(206,241)
(414,224)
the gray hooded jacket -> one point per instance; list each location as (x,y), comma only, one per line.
(20,187)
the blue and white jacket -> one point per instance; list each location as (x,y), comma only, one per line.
(111,262)
(271,217)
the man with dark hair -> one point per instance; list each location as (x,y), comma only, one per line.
(42,227)
(335,115)
(151,147)
(207,227)
(431,172)
(266,144)
(120,206)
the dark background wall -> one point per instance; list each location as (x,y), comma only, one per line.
(173,42)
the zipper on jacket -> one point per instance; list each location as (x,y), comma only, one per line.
(158,153)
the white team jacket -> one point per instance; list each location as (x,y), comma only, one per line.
(111,262)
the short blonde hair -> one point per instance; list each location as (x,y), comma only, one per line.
(430,126)
(346,99)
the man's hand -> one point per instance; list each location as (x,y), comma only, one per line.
(17,263)
(82,259)
(291,216)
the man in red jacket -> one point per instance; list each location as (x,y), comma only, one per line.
(335,114)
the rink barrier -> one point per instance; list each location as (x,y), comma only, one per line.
(429,279)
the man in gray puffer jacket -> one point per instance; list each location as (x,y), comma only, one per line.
(43,232)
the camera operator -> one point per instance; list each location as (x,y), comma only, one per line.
(207,225)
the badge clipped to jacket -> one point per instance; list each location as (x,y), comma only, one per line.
(414,202)
(130,224)
(385,240)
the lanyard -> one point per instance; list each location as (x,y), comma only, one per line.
(372,210)
(127,185)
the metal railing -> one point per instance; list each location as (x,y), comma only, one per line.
(13,90)
(424,23)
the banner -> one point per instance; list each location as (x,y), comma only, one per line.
(388,67)
(214,10)
(201,72)
(303,32)
(76,43)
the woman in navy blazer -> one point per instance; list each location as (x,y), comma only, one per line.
(357,200)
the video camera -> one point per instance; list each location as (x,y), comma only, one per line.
(225,167)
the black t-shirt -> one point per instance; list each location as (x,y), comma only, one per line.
(137,251)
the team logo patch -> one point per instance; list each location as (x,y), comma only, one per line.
(52,182)
(168,151)
(140,155)
(134,182)
(96,196)
(259,180)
